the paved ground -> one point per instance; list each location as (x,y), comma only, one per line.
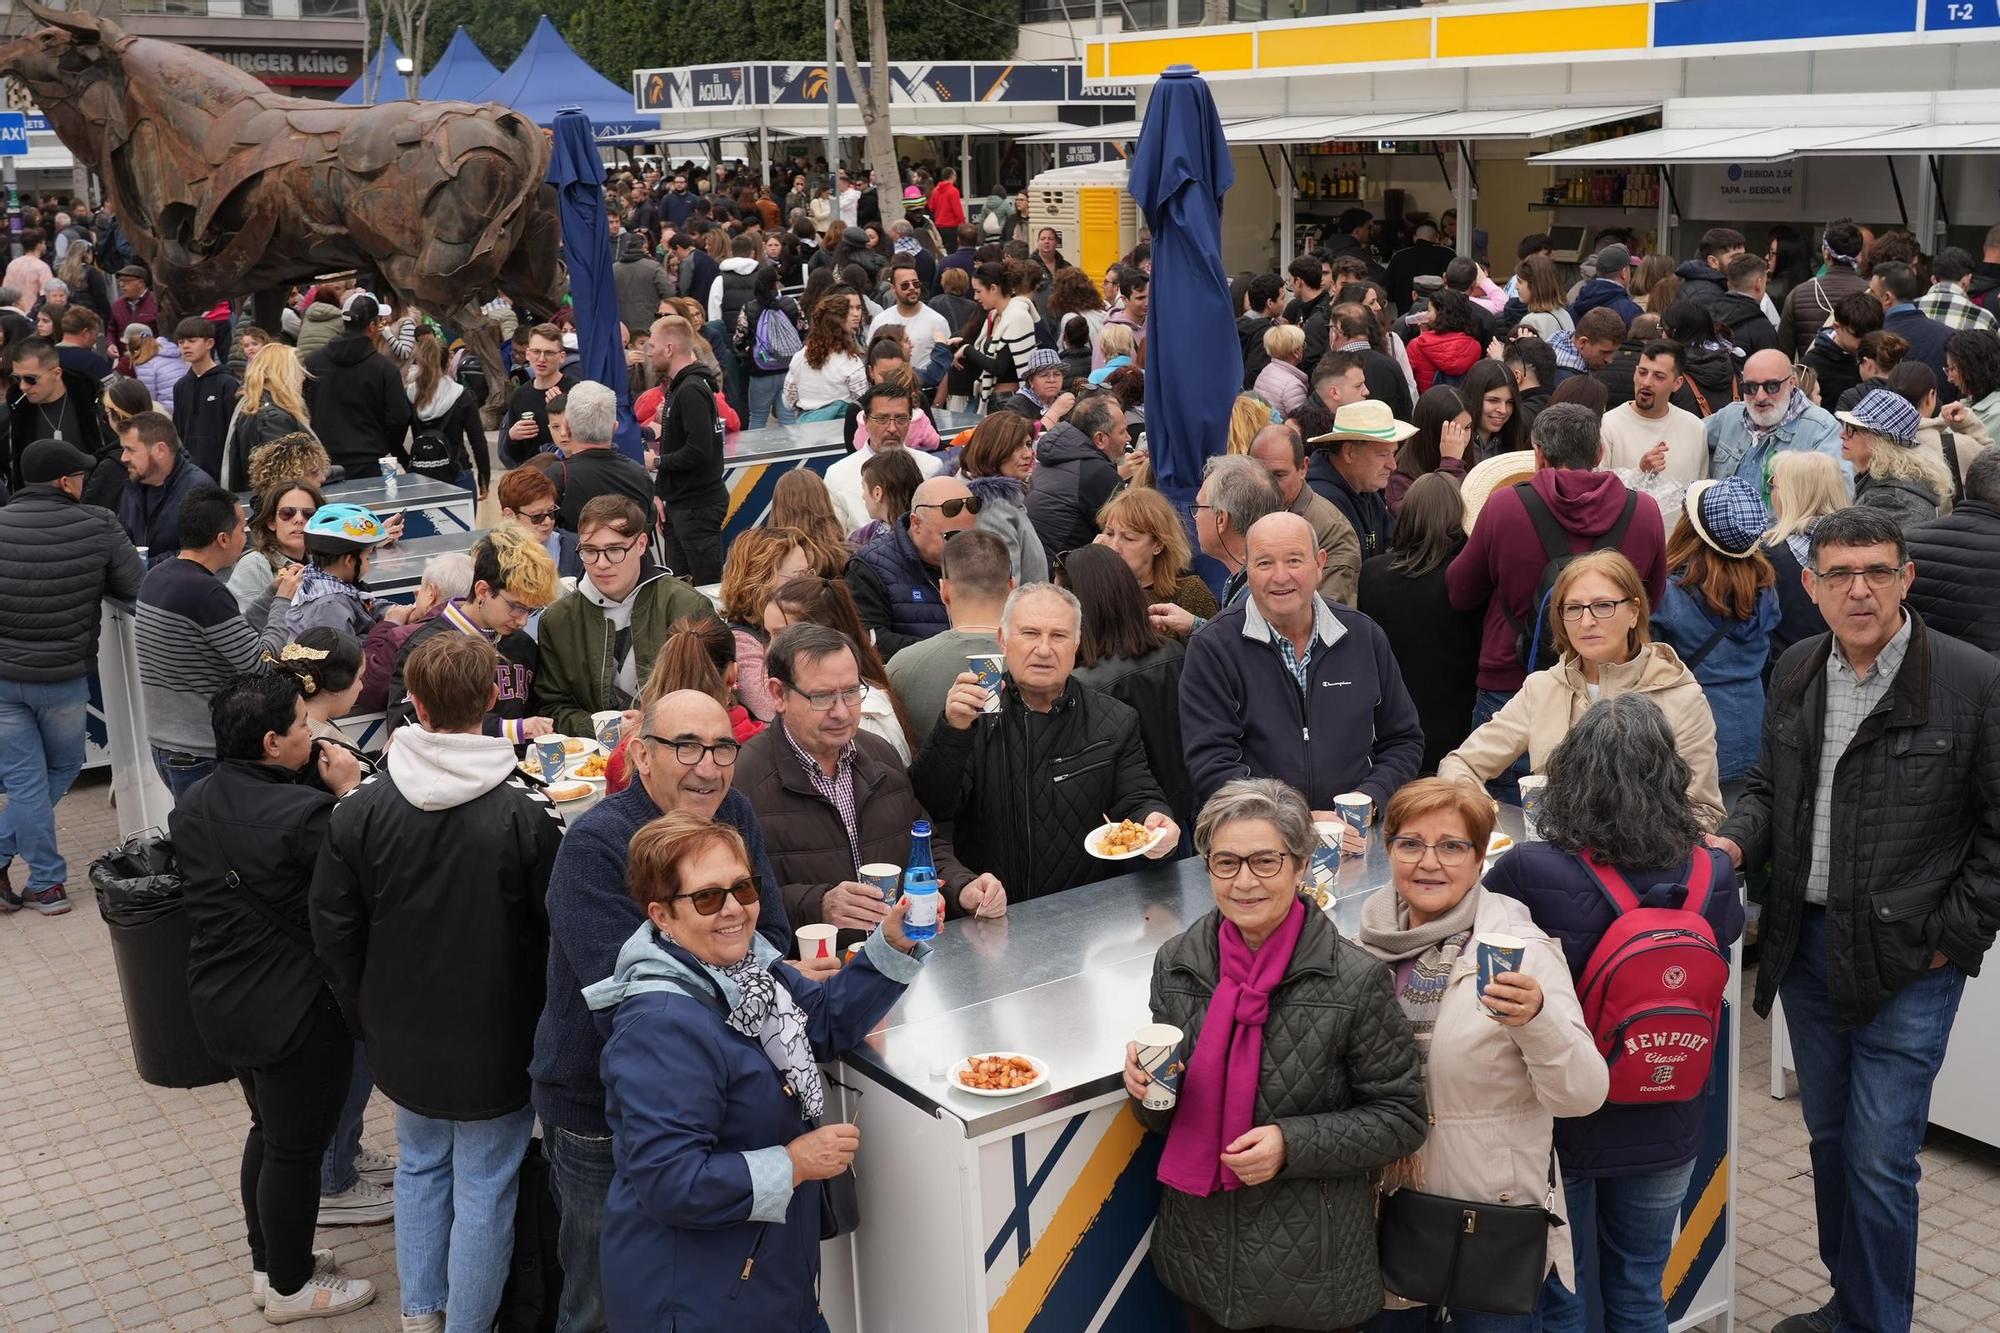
(118,1200)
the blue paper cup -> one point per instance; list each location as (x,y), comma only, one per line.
(1163,1055)
(1532,789)
(886,879)
(987,666)
(1354,809)
(550,755)
(1497,954)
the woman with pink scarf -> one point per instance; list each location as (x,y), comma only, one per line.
(1302,1082)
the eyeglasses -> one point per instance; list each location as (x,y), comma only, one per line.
(1599,610)
(522,611)
(1766,388)
(824,700)
(1264,865)
(27,381)
(1840,580)
(691,753)
(968,504)
(538,517)
(1194,510)
(902,420)
(707,902)
(287,513)
(610,555)
(1450,851)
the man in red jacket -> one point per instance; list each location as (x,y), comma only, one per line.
(1502,562)
(947,206)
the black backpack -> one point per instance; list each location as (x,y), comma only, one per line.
(534,1274)
(1534,641)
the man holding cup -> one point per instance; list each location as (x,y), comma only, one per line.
(1286,685)
(832,798)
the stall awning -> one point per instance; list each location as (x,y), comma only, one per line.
(1530,122)
(1942,139)
(1112,131)
(1770,143)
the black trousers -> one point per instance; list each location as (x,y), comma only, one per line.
(691,541)
(294,1107)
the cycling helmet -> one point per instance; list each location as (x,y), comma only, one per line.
(342,529)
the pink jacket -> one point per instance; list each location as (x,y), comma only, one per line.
(1282,385)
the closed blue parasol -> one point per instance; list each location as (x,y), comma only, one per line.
(1194,363)
(578,175)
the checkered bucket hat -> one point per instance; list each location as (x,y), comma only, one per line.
(1887,414)
(1728,515)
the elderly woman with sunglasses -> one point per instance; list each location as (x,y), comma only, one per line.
(1500,1062)
(719,1117)
(1302,1081)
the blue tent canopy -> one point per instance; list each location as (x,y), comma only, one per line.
(462,73)
(381,75)
(548,76)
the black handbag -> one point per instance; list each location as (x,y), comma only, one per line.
(1462,1254)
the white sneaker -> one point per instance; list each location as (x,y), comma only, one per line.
(424,1323)
(378,1168)
(359,1206)
(322,1298)
(260,1283)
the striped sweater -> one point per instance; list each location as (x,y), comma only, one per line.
(191,640)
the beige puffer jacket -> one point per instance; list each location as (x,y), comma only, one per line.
(1535,721)
(1495,1091)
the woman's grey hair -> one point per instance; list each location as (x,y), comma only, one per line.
(450,574)
(1026,590)
(1618,785)
(592,414)
(1241,490)
(1259,798)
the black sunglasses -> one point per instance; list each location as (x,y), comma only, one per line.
(707,902)
(968,504)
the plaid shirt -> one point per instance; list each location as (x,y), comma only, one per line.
(838,789)
(1326,630)
(1948,304)
(1849,700)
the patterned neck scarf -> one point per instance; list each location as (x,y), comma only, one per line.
(770,1015)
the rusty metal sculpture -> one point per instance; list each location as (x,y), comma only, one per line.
(228,188)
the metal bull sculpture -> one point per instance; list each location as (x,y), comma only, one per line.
(227,188)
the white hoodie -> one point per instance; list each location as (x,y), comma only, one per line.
(738,265)
(440,770)
(447,392)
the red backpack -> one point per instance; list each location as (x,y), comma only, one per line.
(1652,991)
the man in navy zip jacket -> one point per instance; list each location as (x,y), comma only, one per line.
(591,915)
(1286,686)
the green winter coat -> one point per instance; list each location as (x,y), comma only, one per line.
(574,679)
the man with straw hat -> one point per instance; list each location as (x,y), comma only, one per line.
(1353,474)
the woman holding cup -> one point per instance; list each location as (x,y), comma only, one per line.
(1617,786)
(1503,1044)
(1599,615)
(1301,1080)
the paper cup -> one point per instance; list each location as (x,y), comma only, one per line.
(1532,788)
(1354,808)
(816,941)
(886,879)
(1497,954)
(987,666)
(605,726)
(1163,1055)
(549,753)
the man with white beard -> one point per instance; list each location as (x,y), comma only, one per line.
(1773,416)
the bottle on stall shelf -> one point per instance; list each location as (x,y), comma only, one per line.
(920,885)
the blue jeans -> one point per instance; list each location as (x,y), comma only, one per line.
(767,402)
(337,1172)
(455,1187)
(180,770)
(41,752)
(1621,1229)
(1866,1095)
(1419,1320)
(580,1174)
(1505,787)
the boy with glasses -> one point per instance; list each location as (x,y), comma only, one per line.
(512,578)
(1745,438)
(599,642)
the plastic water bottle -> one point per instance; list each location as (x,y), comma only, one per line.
(920,885)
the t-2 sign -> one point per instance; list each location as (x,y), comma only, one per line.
(1944,14)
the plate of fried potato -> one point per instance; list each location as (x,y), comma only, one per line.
(591,766)
(1121,841)
(998,1074)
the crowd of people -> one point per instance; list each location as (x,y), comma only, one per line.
(1733,612)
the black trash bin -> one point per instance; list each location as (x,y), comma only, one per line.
(139,896)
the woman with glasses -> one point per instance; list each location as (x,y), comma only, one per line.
(270,570)
(1617,793)
(529,498)
(1500,1062)
(1599,616)
(1879,439)
(819,601)
(1301,1081)
(721,1127)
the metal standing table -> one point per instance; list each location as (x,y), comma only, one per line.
(1035,1213)
(429,508)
